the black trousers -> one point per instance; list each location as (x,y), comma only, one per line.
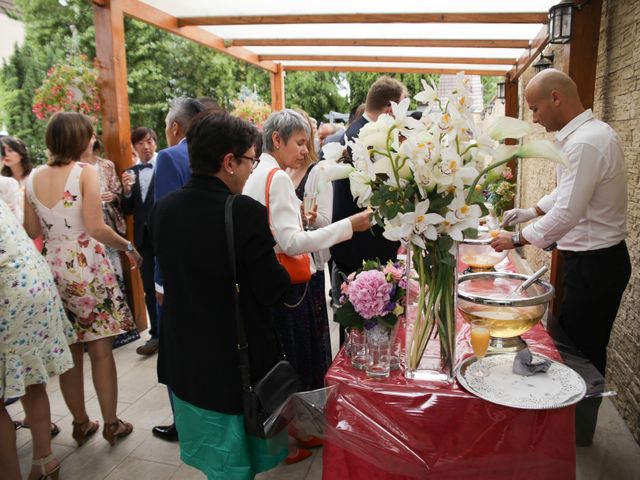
(147,272)
(593,284)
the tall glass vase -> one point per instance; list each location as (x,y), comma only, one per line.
(431,311)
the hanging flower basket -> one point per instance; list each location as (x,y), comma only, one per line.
(72,87)
(253,111)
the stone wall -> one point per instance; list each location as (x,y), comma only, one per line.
(617,102)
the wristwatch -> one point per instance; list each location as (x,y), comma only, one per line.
(515,239)
(129,247)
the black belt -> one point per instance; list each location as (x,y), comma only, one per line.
(571,254)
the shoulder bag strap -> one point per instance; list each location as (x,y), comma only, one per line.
(266,192)
(243,345)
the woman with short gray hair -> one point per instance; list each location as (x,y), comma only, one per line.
(296,320)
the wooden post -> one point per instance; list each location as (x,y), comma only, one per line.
(511,110)
(581,64)
(277,89)
(110,52)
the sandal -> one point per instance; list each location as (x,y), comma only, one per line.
(42,463)
(83,430)
(17,424)
(114,430)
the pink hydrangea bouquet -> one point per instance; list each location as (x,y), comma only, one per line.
(374,295)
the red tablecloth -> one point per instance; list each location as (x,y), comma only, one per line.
(400,429)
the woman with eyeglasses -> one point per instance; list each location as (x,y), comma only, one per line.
(198,355)
(301,329)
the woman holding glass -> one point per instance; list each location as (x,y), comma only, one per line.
(63,204)
(304,336)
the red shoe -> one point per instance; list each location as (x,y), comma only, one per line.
(297,455)
(312,442)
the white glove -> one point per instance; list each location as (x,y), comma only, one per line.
(518,215)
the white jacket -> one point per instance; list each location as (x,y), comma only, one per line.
(284,213)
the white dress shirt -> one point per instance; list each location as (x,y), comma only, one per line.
(284,212)
(588,208)
(145,175)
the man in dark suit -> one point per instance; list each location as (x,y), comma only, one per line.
(138,196)
(348,256)
(172,172)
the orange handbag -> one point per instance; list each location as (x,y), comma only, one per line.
(298,266)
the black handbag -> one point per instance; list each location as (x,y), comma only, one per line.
(261,400)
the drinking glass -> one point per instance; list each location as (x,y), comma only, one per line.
(357,348)
(480,336)
(309,201)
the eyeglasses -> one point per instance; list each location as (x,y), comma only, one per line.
(254,161)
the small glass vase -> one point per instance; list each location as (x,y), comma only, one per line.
(428,317)
(378,347)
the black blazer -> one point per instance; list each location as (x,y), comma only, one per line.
(139,208)
(368,245)
(198,355)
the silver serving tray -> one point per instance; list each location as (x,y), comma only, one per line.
(559,387)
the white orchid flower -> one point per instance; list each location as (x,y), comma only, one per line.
(427,95)
(413,226)
(542,149)
(374,134)
(395,230)
(333,151)
(384,165)
(509,127)
(402,122)
(360,184)
(459,219)
(451,171)
(328,171)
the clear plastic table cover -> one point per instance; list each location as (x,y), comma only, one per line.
(400,429)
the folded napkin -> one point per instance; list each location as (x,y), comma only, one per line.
(523,364)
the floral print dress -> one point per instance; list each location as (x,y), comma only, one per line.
(34,330)
(84,276)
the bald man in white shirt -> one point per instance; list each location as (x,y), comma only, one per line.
(585,215)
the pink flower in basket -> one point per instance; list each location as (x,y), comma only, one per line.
(369,293)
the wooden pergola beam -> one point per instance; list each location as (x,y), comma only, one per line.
(376,58)
(354,68)
(158,18)
(375,42)
(515,17)
(538,44)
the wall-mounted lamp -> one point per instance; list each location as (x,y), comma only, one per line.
(544,62)
(560,22)
(500,95)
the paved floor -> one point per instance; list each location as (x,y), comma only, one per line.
(614,454)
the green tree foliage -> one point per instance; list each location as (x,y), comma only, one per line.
(314,92)
(489,88)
